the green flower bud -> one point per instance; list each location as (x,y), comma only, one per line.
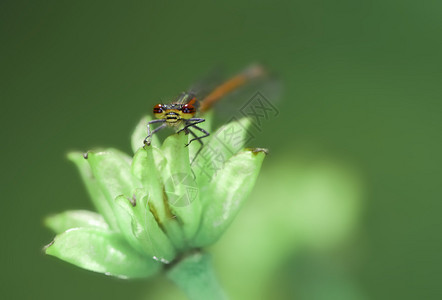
(164,202)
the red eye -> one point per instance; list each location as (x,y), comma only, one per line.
(158,109)
(188,109)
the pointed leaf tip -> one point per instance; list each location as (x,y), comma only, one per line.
(103,252)
(227,192)
(93,187)
(140,133)
(74,219)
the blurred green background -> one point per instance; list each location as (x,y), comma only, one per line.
(357,142)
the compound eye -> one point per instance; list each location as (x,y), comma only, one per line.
(188,109)
(158,110)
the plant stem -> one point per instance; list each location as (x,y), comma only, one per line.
(194,275)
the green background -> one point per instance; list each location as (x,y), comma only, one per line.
(362,87)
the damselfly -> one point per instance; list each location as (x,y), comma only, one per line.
(187,105)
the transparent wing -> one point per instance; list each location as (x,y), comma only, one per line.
(259,96)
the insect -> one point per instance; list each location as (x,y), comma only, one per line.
(183,110)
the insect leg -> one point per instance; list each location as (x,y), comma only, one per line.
(191,122)
(147,140)
(198,138)
(195,138)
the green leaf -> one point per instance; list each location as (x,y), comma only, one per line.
(112,170)
(180,186)
(141,229)
(73,219)
(98,198)
(144,167)
(140,133)
(128,224)
(223,144)
(147,161)
(228,189)
(101,251)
